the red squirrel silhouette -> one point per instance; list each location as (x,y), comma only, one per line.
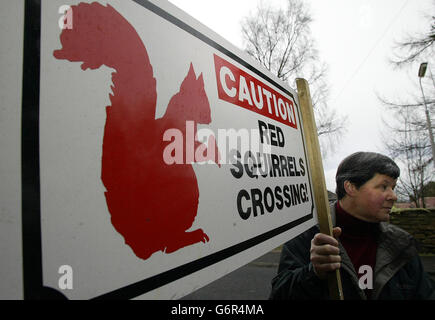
(152,204)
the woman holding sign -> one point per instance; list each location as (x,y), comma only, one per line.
(376,260)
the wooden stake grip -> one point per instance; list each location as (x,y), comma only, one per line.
(317,176)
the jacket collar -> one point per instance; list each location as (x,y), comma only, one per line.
(395,248)
(390,236)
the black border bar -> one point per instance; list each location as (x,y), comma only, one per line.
(30,174)
(164,278)
(182,25)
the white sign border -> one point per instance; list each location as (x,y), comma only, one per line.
(31,195)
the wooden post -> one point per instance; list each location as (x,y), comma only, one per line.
(317,176)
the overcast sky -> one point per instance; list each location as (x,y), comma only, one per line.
(355,39)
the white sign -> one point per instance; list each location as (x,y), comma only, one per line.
(156,156)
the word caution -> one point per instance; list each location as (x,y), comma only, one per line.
(238,87)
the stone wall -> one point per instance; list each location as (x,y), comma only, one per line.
(420,223)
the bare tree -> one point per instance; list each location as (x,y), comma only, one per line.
(406,141)
(415,47)
(281,40)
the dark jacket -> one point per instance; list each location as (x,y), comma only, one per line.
(398,273)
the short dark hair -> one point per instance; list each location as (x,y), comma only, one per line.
(360,167)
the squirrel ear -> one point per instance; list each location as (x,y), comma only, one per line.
(191,73)
(190,78)
(200,78)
